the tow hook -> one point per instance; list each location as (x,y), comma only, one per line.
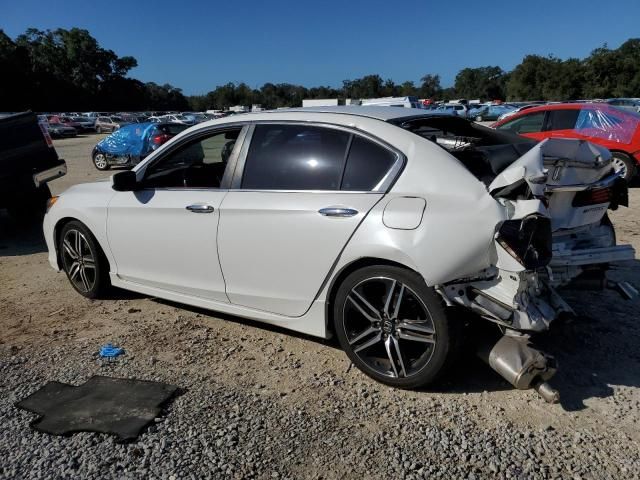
(521,365)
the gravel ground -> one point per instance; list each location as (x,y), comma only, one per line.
(257,402)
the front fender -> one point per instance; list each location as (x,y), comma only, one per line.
(86,203)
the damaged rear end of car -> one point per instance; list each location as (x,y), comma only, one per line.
(556,233)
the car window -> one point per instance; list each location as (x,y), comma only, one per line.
(200,163)
(295,157)
(562,119)
(367,165)
(607,126)
(529,123)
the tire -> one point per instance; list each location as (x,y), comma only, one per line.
(622,161)
(98,129)
(100,161)
(479,118)
(90,275)
(407,354)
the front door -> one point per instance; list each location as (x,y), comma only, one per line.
(164,234)
(303,192)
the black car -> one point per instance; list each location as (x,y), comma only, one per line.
(28,161)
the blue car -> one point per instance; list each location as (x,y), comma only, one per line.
(131,143)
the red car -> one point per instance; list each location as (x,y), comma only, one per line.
(613,128)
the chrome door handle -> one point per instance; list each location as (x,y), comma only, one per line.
(200,208)
(337,212)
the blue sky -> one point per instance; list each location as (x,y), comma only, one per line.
(198,44)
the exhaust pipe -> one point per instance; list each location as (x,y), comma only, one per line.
(521,365)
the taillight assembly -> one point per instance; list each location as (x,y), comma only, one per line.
(592,196)
(45,134)
(160,139)
(527,240)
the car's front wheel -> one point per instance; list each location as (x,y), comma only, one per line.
(479,118)
(100,160)
(393,326)
(83,261)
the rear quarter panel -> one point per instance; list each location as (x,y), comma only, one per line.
(454,238)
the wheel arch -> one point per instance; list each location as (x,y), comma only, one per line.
(57,230)
(347,270)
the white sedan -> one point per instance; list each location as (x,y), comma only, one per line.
(372,224)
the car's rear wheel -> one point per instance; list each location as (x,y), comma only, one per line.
(83,261)
(393,327)
(479,118)
(100,161)
(98,129)
(624,164)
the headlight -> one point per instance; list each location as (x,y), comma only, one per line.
(527,240)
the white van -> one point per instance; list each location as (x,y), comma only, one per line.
(407,102)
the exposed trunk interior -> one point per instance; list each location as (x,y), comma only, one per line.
(483,151)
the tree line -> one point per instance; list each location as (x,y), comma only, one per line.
(62,69)
(67,70)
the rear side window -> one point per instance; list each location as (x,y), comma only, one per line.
(367,165)
(562,119)
(295,157)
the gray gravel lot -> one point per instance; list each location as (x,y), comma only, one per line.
(257,402)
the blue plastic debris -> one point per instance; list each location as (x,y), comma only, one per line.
(109,351)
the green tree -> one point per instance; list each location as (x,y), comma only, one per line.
(430,86)
(483,82)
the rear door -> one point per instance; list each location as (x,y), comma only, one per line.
(562,123)
(300,192)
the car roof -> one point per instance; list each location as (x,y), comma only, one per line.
(370,111)
(556,106)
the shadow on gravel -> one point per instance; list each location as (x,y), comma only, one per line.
(597,349)
(248,322)
(469,375)
(20,238)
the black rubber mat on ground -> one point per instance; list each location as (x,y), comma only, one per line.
(108,405)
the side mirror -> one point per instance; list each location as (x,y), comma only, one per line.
(124,181)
